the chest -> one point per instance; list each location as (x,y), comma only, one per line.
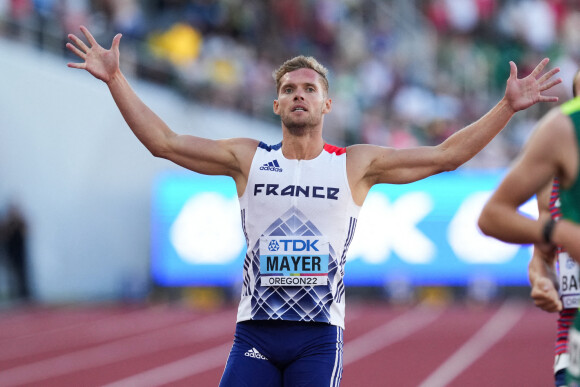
(318,184)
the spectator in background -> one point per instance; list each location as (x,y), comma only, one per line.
(440,48)
(13,235)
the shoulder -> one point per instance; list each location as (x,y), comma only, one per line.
(241,149)
(553,130)
(365,153)
(241,145)
(373,157)
(358,158)
(551,149)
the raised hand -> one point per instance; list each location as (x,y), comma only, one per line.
(98,61)
(523,93)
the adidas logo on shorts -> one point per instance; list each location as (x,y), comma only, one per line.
(255,354)
(271,166)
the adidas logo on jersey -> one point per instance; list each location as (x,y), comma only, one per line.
(255,354)
(271,166)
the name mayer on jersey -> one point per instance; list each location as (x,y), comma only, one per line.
(294,261)
(297,190)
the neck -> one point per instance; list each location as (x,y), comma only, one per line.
(305,147)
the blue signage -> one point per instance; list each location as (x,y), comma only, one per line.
(425,232)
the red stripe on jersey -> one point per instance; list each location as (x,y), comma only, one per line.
(334,149)
(564,322)
(566,315)
(554,195)
(555,210)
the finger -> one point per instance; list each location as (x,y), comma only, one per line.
(81,66)
(546,285)
(513,70)
(89,36)
(78,42)
(559,305)
(547,304)
(548,75)
(116,41)
(540,67)
(547,98)
(76,51)
(550,84)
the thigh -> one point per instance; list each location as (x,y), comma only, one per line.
(321,365)
(246,367)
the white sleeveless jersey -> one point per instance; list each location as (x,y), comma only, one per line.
(299,218)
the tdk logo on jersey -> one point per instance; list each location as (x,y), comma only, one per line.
(271,166)
(273,246)
(297,190)
(296,245)
(293,245)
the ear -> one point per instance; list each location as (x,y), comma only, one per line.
(276,107)
(327,107)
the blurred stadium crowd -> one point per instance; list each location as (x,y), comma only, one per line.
(402,72)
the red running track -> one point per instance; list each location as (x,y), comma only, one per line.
(508,344)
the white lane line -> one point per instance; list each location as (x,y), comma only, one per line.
(494,330)
(123,349)
(389,333)
(180,369)
(95,331)
(184,368)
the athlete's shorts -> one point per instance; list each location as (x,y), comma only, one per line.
(560,378)
(573,370)
(284,353)
(561,363)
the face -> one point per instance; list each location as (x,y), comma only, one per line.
(302,101)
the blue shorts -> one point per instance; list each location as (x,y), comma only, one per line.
(560,378)
(284,353)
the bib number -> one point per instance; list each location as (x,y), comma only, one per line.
(291,261)
(568,278)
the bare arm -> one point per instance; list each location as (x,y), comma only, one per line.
(551,151)
(230,157)
(541,268)
(371,165)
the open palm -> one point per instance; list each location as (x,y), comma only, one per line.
(98,61)
(523,93)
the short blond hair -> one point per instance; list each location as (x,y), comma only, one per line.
(301,62)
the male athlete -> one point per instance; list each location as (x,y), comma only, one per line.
(555,283)
(552,151)
(299,204)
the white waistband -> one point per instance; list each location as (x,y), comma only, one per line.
(561,362)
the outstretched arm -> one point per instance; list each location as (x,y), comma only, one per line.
(375,165)
(224,157)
